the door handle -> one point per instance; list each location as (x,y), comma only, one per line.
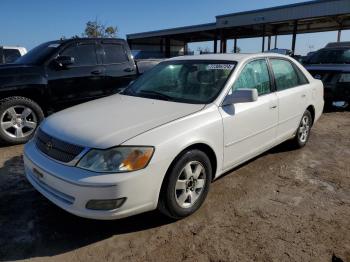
(129,69)
(96,72)
(303,95)
(273,107)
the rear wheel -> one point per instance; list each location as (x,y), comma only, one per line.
(19,117)
(186,185)
(303,132)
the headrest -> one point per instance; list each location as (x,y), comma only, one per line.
(205,77)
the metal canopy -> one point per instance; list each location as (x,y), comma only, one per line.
(307,17)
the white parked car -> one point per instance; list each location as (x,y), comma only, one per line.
(161,142)
(9,54)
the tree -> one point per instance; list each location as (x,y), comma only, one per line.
(96,29)
(238,50)
(206,50)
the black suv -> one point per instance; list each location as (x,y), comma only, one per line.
(56,75)
(332,65)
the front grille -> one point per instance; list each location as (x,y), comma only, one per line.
(55,148)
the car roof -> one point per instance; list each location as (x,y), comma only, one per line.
(64,41)
(225,57)
(77,39)
(338,45)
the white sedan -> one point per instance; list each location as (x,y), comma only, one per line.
(162,141)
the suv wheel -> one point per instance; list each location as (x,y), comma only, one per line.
(303,132)
(19,117)
(186,185)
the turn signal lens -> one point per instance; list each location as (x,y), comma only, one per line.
(137,159)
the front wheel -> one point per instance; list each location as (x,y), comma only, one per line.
(19,117)
(186,185)
(303,132)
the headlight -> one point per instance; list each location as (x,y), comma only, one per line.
(117,159)
(344,78)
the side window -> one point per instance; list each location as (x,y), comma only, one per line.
(285,74)
(11,55)
(302,78)
(84,55)
(254,75)
(114,54)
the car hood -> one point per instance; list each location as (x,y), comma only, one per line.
(14,69)
(15,74)
(112,120)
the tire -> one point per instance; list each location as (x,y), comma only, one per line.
(183,190)
(19,118)
(303,132)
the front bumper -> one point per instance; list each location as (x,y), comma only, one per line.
(71,188)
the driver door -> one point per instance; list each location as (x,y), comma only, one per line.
(79,82)
(250,128)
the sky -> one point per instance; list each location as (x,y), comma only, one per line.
(30,22)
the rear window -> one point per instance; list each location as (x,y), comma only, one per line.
(330,56)
(114,54)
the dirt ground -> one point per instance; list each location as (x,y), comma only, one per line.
(286,205)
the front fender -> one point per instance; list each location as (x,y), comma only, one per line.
(169,140)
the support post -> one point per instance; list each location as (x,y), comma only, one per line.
(295,31)
(161,45)
(185,48)
(269,43)
(263,39)
(275,41)
(224,45)
(339,35)
(235,45)
(167,47)
(222,42)
(215,43)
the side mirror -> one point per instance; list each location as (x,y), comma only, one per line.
(64,61)
(241,96)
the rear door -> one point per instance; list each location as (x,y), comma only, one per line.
(292,93)
(83,80)
(250,128)
(119,66)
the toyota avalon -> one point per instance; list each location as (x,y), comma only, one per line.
(161,142)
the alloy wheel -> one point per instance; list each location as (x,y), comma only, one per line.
(190,184)
(18,121)
(304,129)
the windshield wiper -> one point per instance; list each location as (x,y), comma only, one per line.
(156,94)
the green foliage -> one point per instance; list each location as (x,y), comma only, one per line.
(95,29)
(238,49)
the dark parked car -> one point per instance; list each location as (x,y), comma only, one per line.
(332,65)
(56,75)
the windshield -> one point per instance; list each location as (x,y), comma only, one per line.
(38,54)
(330,56)
(190,81)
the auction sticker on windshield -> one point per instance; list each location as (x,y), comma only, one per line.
(220,66)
